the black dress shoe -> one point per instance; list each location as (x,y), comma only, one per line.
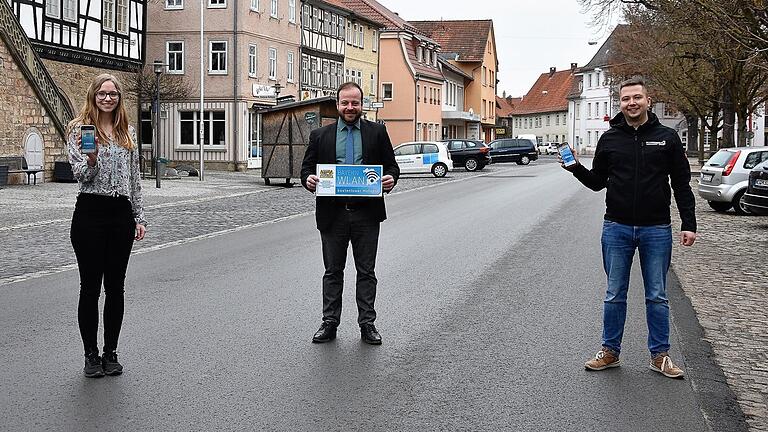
(369,334)
(326,333)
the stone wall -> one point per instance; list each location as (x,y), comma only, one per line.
(22,114)
(74,79)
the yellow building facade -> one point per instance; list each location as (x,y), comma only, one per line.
(361,61)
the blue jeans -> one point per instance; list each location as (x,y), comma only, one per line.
(655,246)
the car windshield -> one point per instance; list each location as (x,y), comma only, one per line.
(720,158)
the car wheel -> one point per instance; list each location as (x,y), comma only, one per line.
(439,170)
(525,160)
(470,164)
(738,204)
(719,206)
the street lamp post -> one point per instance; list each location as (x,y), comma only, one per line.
(158,66)
(277,88)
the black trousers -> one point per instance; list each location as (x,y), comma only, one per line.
(102,236)
(350,227)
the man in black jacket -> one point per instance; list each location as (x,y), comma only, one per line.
(341,220)
(635,160)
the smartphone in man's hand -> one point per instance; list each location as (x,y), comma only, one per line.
(566,154)
(87,138)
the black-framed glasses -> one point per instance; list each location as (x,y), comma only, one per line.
(103,95)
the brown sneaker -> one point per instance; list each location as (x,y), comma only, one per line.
(663,365)
(604,359)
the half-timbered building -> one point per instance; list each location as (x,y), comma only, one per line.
(107,33)
(323,43)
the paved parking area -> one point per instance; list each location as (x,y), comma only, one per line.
(35,220)
(725,274)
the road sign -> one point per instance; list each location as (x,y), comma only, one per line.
(377,104)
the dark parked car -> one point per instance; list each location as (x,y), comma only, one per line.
(520,150)
(756,197)
(471,154)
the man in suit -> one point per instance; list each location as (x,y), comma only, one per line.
(345,220)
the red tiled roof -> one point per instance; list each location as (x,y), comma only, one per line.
(548,94)
(421,68)
(467,38)
(505,107)
(378,13)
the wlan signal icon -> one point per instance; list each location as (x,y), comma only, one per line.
(371,175)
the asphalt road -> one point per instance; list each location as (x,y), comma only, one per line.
(489,302)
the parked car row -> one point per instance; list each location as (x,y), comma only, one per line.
(440,157)
(728,176)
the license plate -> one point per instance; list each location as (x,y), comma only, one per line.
(707,177)
(761,183)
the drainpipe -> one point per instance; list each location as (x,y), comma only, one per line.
(235,77)
(415,107)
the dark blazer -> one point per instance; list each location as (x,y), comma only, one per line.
(377,150)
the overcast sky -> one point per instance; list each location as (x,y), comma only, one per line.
(531,36)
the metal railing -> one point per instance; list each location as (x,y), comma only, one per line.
(33,68)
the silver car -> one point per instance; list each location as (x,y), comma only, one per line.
(725,176)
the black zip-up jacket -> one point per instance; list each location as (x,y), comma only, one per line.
(635,166)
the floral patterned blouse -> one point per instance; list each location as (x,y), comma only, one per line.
(116,171)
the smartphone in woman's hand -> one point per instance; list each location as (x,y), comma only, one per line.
(87,138)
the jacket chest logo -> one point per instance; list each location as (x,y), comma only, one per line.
(656,143)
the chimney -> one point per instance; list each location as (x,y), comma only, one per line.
(552,71)
(573,66)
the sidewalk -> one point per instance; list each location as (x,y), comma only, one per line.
(725,274)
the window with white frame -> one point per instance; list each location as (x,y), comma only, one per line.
(122,16)
(217,59)
(214,128)
(387,91)
(177,4)
(375,40)
(53,8)
(108,15)
(69,10)
(578,111)
(589,110)
(361,42)
(334,25)
(175,56)
(373,84)
(306,16)
(605,108)
(273,63)
(342,25)
(255,5)
(289,70)
(326,73)
(304,69)
(292,11)
(252,61)
(334,79)
(273,9)
(217,3)
(485,75)
(339,71)
(317,18)
(316,76)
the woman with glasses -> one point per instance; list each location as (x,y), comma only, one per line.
(109,215)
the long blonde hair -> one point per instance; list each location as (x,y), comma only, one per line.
(89,113)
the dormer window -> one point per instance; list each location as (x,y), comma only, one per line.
(419,54)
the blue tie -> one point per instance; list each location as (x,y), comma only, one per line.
(349,157)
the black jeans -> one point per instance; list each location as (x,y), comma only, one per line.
(355,227)
(102,235)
